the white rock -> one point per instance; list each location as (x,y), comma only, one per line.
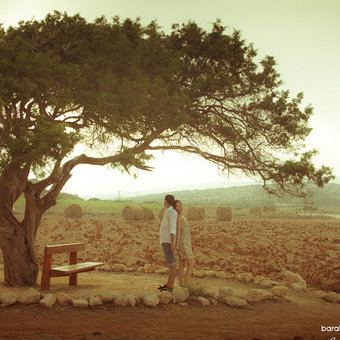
(48,301)
(183,304)
(131,300)
(299,287)
(150,300)
(320,293)
(279,290)
(267,295)
(213,301)
(95,301)
(130,269)
(118,267)
(165,297)
(81,303)
(63,299)
(162,270)
(294,278)
(30,296)
(265,284)
(258,279)
(275,283)
(149,268)
(225,291)
(245,277)
(210,273)
(221,275)
(106,296)
(8,299)
(124,302)
(119,299)
(235,301)
(332,297)
(257,295)
(212,293)
(203,301)
(181,294)
(199,273)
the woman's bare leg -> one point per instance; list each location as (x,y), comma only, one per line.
(190,263)
(181,271)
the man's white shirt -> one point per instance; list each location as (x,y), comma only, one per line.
(168,225)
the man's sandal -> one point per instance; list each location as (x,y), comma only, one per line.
(162,287)
(167,289)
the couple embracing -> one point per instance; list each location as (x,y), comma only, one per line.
(174,235)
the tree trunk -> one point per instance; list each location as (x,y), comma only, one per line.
(20,264)
(17,238)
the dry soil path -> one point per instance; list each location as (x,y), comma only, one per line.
(299,315)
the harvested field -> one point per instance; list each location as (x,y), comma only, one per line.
(309,247)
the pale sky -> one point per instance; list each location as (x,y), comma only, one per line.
(302,35)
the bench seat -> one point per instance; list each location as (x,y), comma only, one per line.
(75,268)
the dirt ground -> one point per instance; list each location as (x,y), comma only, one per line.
(300,314)
(260,246)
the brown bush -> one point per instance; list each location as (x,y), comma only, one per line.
(148,214)
(223,214)
(270,209)
(195,213)
(255,210)
(132,213)
(73,211)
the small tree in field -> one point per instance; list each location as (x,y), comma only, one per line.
(127,90)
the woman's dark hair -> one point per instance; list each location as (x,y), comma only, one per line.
(171,200)
(176,201)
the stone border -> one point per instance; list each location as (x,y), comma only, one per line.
(180,296)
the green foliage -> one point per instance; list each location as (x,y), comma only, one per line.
(67,196)
(249,196)
(125,90)
(197,289)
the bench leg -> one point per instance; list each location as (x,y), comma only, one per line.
(73,279)
(45,275)
(73,260)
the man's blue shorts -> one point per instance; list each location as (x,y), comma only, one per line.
(169,255)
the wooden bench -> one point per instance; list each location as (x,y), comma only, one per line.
(70,270)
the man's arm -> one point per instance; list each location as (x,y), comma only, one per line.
(173,227)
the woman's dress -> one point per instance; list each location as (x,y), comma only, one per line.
(184,244)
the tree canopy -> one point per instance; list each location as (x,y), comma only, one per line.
(128,89)
(133,89)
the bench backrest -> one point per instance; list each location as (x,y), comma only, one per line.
(64,248)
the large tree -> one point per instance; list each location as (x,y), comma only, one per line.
(125,90)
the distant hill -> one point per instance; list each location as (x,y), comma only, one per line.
(248,196)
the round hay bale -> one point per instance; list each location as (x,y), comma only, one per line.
(161,213)
(148,214)
(132,213)
(223,214)
(255,210)
(269,209)
(195,213)
(73,211)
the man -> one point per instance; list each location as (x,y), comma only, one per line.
(167,235)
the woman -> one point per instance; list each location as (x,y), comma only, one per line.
(183,246)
